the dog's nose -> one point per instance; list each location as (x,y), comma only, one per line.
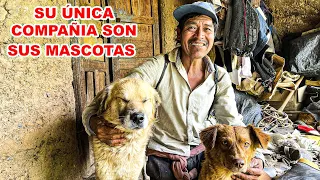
(137,117)
(239,163)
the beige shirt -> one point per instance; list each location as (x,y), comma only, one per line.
(183,112)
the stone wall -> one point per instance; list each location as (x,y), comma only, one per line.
(294,16)
(37,106)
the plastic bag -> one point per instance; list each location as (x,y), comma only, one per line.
(304,55)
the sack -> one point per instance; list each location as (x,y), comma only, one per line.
(251,85)
(304,55)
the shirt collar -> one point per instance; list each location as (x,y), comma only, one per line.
(174,56)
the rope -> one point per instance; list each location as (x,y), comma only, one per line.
(273,118)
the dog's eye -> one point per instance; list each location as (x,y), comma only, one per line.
(144,101)
(246,144)
(225,142)
(124,100)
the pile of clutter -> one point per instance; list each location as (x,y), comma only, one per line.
(264,68)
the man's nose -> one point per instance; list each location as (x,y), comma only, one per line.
(199,33)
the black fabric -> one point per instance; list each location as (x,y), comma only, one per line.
(277,43)
(160,168)
(218,59)
(248,107)
(263,66)
(227,60)
(241,28)
(312,94)
(301,171)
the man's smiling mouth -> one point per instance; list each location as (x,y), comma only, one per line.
(198,43)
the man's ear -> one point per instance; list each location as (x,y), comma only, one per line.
(208,136)
(260,138)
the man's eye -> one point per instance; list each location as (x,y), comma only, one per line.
(192,28)
(208,29)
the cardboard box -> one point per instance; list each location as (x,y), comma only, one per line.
(294,104)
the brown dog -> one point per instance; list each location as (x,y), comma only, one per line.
(229,150)
(130,104)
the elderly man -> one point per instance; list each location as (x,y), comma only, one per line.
(192,88)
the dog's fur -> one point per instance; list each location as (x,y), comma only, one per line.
(229,150)
(131,105)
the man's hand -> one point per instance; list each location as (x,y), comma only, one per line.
(255,172)
(106,132)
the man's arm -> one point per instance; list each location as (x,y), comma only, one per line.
(106,132)
(92,110)
(95,125)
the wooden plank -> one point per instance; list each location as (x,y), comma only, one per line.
(290,95)
(102,81)
(99,81)
(123,66)
(144,49)
(90,75)
(135,7)
(155,30)
(97,2)
(141,8)
(136,19)
(145,8)
(89,87)
(93,65)
(83,90)
(96,81)
(84,2)
(82,137)
(120,7)
(143,42)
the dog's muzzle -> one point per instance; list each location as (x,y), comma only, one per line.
(137,118)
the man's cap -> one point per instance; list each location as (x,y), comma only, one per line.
(203,8)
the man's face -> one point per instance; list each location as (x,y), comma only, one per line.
(197,37)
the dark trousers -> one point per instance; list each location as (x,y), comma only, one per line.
(159,168)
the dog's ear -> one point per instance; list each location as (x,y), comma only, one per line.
(208,136)
(260,138)
(102,97)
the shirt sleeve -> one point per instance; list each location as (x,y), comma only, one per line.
(225,108)
(92,110)
(149,71)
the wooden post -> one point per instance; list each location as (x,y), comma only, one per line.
(290,94)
